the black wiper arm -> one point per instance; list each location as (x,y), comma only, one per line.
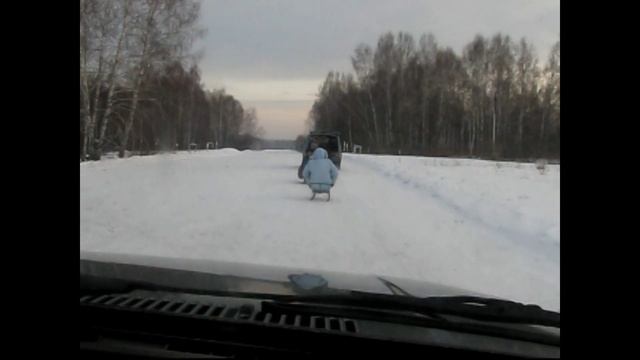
(389,315)
(395,289)
(493,310)
(466,306)
(472,307)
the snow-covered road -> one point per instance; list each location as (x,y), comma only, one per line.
(480,225)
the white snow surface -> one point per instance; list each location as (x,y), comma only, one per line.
(490,227)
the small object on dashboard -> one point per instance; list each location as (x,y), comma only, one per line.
(308,282)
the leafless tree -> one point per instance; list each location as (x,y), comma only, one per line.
(493,100)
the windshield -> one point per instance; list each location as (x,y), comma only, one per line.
(440,120)
(328,142)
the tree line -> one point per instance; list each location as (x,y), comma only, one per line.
(495,100)
(140,86)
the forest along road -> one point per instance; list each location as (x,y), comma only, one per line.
(491,227)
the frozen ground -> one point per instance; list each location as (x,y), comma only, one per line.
(491,227)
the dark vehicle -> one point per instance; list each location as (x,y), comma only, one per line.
(142,307)
(329,141)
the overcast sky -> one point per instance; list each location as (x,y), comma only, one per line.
(274,55)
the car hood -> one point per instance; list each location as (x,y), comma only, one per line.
(219,276)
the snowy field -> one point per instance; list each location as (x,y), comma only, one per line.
(490,227)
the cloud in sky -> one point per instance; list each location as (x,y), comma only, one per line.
(275,52)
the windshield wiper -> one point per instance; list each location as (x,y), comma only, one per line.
(414,319)
(472,307)
(395,289)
